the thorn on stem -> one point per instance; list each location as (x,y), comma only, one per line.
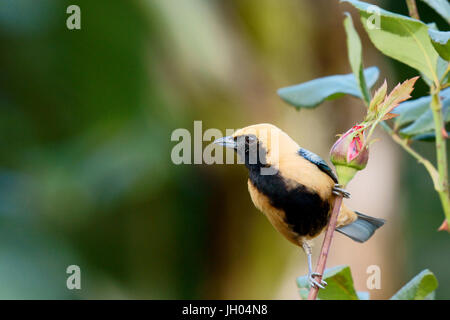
(444,226)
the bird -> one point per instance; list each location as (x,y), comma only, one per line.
(295,189)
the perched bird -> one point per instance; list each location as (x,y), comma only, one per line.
(294,188)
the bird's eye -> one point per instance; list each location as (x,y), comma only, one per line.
(249,139)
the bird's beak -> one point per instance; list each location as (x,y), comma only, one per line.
(226,142)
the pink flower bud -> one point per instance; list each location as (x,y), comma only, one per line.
(350,154)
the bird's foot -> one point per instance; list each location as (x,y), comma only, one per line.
(339,191)
(314,283)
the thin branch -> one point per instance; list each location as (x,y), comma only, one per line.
(412,8)
(432,171)
(441,151)
(320,268)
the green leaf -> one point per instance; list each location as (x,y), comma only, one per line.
(312,93)
(340,285)
(440,6)
(400,37)
(427,137)
(441,43)
(425,122)
(354,49)
(420,287)
(411,110)
(399,94)
(442,70)
(432,25)
(378,98)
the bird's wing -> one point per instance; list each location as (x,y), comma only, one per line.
(318,161)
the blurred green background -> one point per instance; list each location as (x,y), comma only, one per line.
(86,176)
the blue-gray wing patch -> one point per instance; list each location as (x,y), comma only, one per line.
(318,161)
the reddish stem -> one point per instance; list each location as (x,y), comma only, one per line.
(326,246)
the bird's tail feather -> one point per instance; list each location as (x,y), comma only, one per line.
(361,229)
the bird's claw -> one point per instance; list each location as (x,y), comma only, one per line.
(314,283)
(339,191)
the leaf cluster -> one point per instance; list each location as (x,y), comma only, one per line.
(340,286)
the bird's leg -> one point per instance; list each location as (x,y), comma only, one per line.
(339,191)
(312,282)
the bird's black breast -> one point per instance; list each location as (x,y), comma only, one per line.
(305,211)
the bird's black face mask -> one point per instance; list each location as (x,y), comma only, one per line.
(250,151)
